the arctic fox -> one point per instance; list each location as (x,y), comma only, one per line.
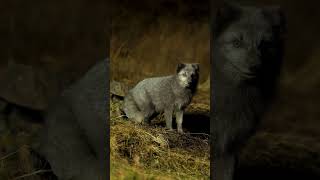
(166,94)
(247,55)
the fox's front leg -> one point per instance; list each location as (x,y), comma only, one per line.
(179,119)
(224,167)
(168,117)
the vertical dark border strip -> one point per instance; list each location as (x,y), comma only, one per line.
(108,40)
(212,102)
(214,4)
(107,135)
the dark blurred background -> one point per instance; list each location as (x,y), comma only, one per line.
(64,38)
(45,46)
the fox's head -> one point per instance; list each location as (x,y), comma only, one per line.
(248,41)
(188,75)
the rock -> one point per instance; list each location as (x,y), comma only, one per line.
(118,89)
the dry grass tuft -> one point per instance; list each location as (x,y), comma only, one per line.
(156,151)
(16,158)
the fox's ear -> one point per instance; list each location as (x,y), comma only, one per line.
(276,15)
(180,66)
(196,67)
(226,13)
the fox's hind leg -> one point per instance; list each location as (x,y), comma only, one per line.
(138,117)
(131,109)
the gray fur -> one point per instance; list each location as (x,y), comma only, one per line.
(247,57)
(167,94)
(74,139)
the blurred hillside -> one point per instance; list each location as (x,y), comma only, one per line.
(151,38)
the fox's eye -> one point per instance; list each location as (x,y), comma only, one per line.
(236,43)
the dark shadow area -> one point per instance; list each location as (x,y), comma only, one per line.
(41,163)
(267,173)
(33,115)
(196,123)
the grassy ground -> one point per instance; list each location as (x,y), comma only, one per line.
(152,152)
(16,158)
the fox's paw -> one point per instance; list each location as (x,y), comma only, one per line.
(169,129)
(180,131)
